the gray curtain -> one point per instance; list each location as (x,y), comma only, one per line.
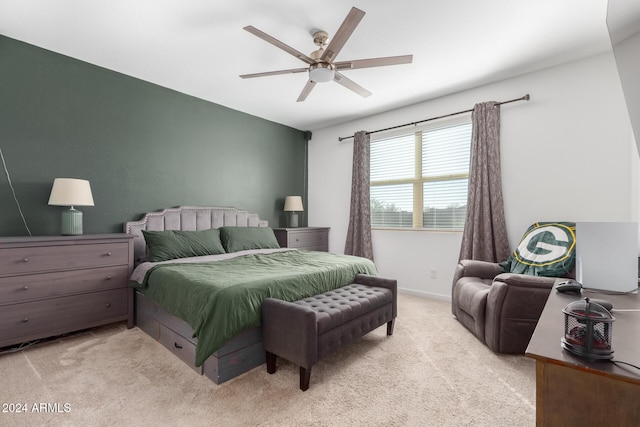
(485,231)
(359,231)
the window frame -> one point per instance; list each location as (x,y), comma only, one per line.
(418,180)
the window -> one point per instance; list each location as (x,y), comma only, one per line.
(420,179)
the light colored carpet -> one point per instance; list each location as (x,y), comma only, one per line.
(431,372)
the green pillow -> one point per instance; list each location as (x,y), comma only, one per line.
(237,239)
(546,249)
(172,244)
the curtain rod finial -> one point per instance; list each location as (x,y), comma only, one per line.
(526,97)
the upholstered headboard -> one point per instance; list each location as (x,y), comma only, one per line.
(188,218)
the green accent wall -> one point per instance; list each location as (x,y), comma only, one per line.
(143,147)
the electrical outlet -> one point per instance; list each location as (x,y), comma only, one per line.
(434,273)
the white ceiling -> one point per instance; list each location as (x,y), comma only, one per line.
(198,47)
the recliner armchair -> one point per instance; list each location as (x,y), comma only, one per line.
(502,309)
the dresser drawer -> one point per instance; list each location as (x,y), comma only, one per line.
(307,239)
(14,289)
(24,260)
(31,320)
(180,346)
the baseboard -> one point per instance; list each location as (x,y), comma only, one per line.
(425,294)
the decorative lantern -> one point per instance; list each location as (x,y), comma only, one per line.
(588,329)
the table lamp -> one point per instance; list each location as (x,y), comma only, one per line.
(293,204)
(71,192)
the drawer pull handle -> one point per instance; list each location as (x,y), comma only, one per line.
(178,346)
(25,259)
(107,305)
(25,320)
(25,288)
(108,254)
(108,277)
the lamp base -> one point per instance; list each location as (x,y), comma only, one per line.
(71,224)
(293,220)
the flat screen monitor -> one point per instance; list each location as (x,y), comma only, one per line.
(607,255)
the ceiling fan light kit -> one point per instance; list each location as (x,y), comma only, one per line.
(321,66)
(321,72)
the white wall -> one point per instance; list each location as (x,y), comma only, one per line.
(568,154)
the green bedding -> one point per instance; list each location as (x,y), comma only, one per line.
(220,299)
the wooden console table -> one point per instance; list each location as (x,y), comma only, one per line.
(571,391)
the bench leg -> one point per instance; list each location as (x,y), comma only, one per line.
(271,362)
(390,325)
(305,376)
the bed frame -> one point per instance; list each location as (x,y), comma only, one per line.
(239,354)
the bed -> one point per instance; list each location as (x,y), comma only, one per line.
(201,275)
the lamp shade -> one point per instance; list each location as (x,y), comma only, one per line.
(71,192)
(293,204)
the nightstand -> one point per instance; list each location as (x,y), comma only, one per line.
(52,285)
(307,238)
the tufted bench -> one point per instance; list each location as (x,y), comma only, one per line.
(306,331)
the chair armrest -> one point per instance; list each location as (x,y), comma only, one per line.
(484,270)
(524,280)
(514,305)
(481,269)
(291,331)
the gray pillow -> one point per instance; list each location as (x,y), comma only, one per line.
(237,239)
(172,244)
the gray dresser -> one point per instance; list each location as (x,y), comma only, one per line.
(57,284)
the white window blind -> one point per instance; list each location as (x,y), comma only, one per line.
(420,179)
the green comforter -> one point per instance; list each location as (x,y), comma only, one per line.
(220,299)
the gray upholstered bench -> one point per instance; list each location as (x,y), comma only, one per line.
(306,331)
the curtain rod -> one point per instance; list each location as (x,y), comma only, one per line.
(523,98)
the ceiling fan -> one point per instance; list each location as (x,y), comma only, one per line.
(321,63)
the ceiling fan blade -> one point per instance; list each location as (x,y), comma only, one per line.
(342,35)
(306,91)
(275,73)
(350,84)
(373,62)
(277,43)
